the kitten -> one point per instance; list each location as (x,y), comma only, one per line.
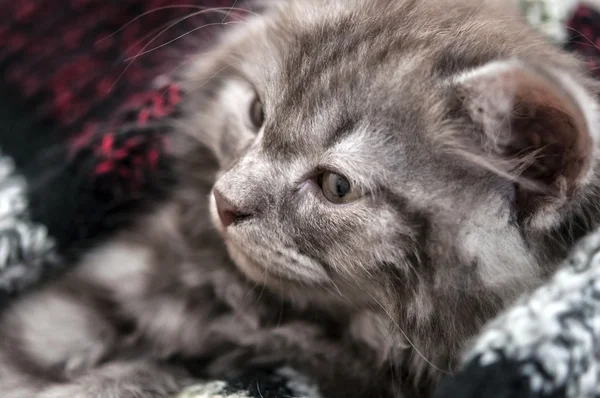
(391,173)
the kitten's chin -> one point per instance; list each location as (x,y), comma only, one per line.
(245,264)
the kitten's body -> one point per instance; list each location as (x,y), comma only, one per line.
(420,104)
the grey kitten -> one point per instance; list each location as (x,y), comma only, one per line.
(390,173)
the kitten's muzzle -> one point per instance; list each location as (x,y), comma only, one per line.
(228,212)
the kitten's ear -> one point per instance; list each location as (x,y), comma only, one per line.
(537,127)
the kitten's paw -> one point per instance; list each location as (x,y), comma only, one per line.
(284,341)
(122,380)
(298,332)
(62,391)
(76,391)
(85,360)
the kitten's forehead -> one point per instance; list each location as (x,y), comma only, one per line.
(326,69)
(321,80)
(313,48)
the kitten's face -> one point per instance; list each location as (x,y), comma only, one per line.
(331,120)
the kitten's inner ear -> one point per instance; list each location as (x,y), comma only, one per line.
(535,126)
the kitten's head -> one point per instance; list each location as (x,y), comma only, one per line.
(414,154)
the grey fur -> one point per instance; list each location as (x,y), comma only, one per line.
(448,116)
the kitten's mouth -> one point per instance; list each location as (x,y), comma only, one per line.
(261,271)
(261,263)
(248,266)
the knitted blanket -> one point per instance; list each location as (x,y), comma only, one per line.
(85,89)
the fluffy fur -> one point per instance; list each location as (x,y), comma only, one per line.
(470,141)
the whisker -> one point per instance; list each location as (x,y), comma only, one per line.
(148,13)
(258,389)
(175,39)
(227,15)
(177,6)
(207,80)
(591,43)
(187,63)
(339,292)
(264,283)
(202,11)
(433,366)
(251,290)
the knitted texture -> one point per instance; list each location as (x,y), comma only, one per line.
(283,382)
(548,344)
(85,96)
(549,16)
(26,251)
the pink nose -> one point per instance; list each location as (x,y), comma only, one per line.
(228,213)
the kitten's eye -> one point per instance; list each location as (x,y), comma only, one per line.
(336,188)
(257,114)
